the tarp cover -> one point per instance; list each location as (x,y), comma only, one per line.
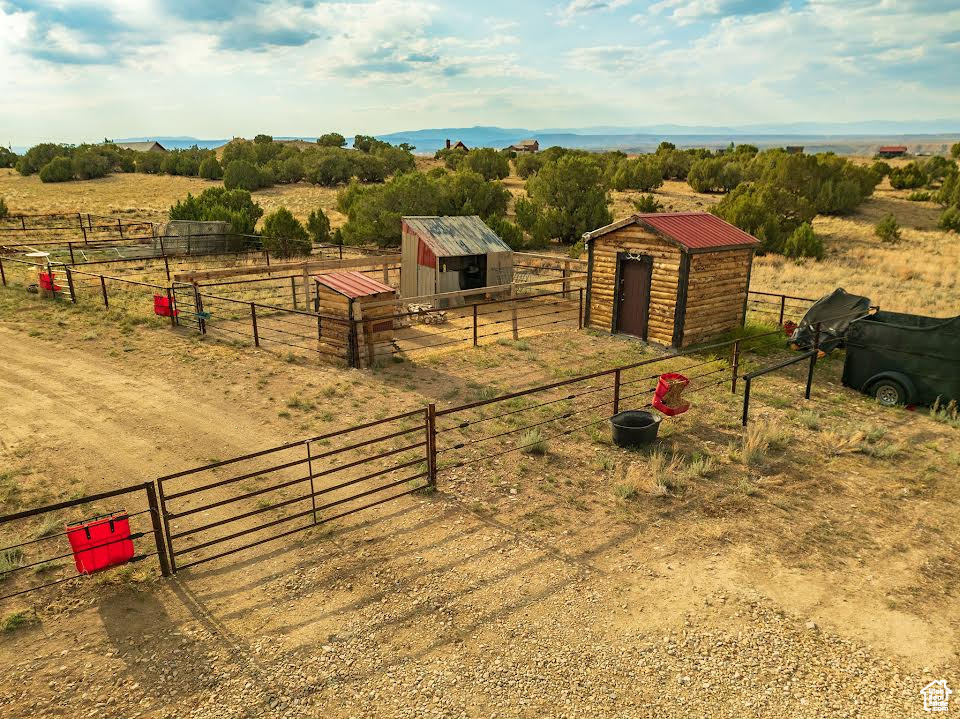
(834,312)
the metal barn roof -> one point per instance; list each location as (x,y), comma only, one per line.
(141,146)
(892,148)
(456,236)
(693,231)
(353,284)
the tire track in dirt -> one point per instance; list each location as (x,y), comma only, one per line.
(117,423)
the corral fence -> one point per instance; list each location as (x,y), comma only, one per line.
(209,512)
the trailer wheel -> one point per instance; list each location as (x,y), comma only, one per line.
(889,393)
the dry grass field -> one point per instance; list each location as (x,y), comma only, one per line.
(804,568)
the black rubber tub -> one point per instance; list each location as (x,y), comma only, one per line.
(635,428)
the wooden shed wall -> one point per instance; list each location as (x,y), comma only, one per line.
(408,264)
(663,282)
(716,293)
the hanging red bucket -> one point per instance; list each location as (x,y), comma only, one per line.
(161,306)
(789,327)
(101,542)
(667,397)
(47,282)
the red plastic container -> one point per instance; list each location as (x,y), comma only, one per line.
(789,327)
(161,306)
(47,282)
(101,542)
(675,384)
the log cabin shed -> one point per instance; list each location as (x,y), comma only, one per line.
(673,278)
(349,295)
(450,254)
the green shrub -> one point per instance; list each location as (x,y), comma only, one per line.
(950,219)
(467,193)
(59,169)
(218,203)
(527,165)
(38,156)
(284,236)
(920,196)
(8,158)
(804,242)
(908,177)
(647,203)
(241,175)
(506,231)
(767,212)
(880,168)
(318,225)
(332,139)
(210,169)
(291,170)
(887,229)
(487,162)
(640,173)
(568,198)
(150,163)
(955,151)
(88,165)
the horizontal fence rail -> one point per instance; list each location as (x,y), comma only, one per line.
(35,546)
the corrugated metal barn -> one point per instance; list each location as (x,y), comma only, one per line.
(451,254)
(674,278)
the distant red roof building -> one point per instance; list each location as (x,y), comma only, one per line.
(692,231)
(892,150)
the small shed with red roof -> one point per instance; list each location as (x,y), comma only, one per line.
(354,295)
(673,278)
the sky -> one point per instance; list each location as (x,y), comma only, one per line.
(80,70)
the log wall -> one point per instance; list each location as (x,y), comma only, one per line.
(716,293)
(663,283)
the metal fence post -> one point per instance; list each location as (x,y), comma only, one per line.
(70,247)
(73,295)
(474,325)
(253,320)
(157,529)
(166,267)
(746,400)
(783,304)
(103,290)
(313,492)
(120,227)
(173,312)
(198,306)
(813,361)
(580,312)
(616,391)
(3,277)
(171,556)
(431,429)
(735,367)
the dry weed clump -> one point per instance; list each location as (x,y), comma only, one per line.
(660,475)
(948,413)
(758,440)
(866,442)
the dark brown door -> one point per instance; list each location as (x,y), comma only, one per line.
(633,296)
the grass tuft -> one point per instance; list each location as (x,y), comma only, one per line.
(533,442)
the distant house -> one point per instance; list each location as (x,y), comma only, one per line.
(150,146)
(794,149)
(888,151)
(525,146)
(458,146)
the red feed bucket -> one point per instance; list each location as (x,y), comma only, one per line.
(667,397)
(101,542)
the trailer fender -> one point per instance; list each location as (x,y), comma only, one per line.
(899,378)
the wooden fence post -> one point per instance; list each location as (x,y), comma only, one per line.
(173,312)
(3,277)
(103,290)
(73,294)
(293,291)
(253,321)
(580,311)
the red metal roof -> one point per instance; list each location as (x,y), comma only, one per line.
(697,230)
(893,148)
(353,284)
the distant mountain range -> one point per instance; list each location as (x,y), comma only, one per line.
(843,137)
